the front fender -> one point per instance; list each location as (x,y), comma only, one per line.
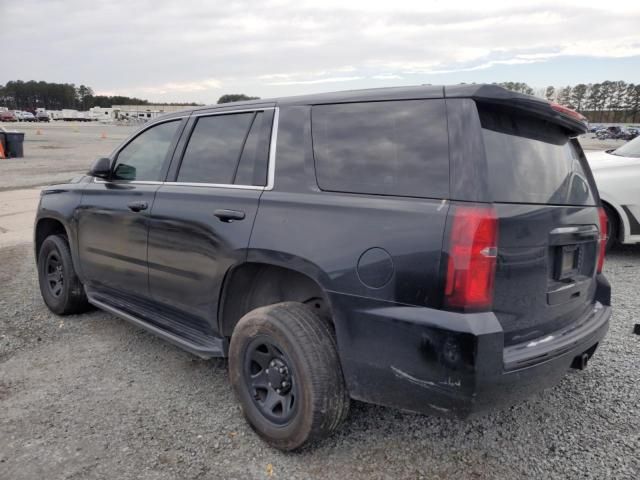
(60,204)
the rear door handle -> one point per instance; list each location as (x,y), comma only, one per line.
(138,206)
(229,216)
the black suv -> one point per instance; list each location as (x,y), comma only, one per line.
(436,249)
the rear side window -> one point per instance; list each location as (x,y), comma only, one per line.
(213,152)
(387,148)
(532,161)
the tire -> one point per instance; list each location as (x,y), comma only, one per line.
(314,400)
(613,223)
(60,287)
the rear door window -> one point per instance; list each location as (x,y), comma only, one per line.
(215,147)
(387,148)
(532,161)
(252,169)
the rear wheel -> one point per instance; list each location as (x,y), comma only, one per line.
(613,227)
(284,368)
(60,287)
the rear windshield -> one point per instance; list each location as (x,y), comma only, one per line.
(532,161)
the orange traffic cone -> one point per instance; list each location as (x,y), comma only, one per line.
(104,135)
(2,155)
(38,132)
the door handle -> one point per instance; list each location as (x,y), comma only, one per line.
(229,216)
(138,206)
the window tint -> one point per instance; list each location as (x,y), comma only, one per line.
(143,157)
(390,148)
(214,148)
(532,161)
(252,169)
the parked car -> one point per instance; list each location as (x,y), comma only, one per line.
(42,117)
(28,117)
(378,245)
(631,133)
(617,174)
(8,116)
(613,132)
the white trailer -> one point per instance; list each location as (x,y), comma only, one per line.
(101,114)
(69,114)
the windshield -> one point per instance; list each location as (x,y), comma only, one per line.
(629,149)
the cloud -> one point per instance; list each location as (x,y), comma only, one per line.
(197,50)
(316,81)
(386,76)
(171,87)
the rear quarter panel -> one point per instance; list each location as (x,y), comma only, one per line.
(325,235)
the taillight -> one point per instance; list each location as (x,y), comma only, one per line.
(471,267)
(604,236)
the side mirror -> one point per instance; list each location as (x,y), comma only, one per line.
(101,168)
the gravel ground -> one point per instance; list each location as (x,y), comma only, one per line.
(91,396)
(59,152)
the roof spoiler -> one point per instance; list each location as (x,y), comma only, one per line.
(569,119)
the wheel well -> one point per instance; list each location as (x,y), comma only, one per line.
(620,231)
(46,227)
(254,285)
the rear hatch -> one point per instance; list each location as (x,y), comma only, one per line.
(548,222)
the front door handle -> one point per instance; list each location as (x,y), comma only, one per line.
(138,206)
(229,216)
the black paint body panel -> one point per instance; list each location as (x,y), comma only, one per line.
(191,250)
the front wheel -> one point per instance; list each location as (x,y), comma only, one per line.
(60,287)
(284,368)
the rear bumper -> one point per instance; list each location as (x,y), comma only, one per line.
(448,363)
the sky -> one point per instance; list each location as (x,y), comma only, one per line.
(198,50)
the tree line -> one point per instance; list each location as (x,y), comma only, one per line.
(32,94)
(607,102)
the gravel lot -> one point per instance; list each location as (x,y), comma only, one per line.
(91,396)
(60,151)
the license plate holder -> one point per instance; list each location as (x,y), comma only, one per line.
(567,262)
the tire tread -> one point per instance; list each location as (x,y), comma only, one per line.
(315,338)
(75,298)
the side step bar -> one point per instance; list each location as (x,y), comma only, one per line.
(210,348)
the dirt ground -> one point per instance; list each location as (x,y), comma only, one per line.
(57,151)
(93,397)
